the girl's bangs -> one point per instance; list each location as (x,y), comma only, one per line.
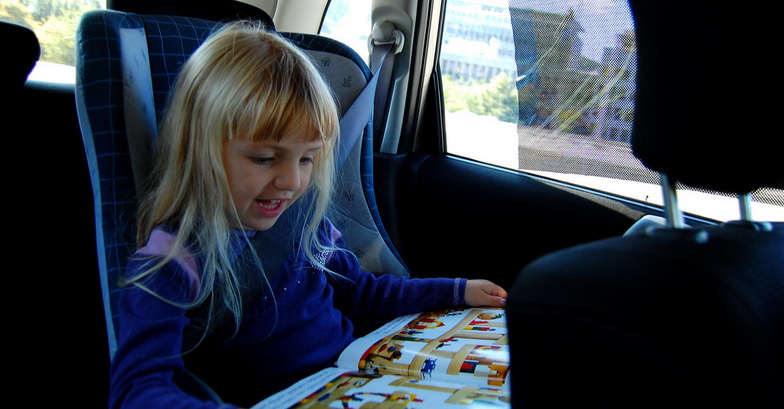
(304,114)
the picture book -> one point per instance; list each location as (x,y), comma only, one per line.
(456,358)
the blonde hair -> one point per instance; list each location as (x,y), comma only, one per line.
(242,82)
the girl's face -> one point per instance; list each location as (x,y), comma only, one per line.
(265,178)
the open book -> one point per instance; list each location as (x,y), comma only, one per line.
(456,358)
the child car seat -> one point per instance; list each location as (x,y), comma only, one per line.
(126,64)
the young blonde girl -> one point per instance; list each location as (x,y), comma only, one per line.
(246,147)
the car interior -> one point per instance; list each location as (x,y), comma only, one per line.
(613,301)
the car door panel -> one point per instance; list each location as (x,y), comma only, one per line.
(456,217)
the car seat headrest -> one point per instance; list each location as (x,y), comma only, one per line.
(702,113)
(216,10)
(20,50)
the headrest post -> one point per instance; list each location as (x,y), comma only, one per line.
(672,211)
(745,206)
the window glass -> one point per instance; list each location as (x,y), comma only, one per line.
(54,23)
(547,87)
(348,22)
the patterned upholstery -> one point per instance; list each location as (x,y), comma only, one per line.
(99,103)
(169,42)
(356,214)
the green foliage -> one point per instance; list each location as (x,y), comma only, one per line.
(54,23)
(497,97)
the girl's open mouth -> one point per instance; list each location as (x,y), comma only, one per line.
(270,204)
(270,208)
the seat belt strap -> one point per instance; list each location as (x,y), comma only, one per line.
(360,113)
(385,57)
(141,127)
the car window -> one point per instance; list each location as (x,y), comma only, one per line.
(547,87)
(54,23)
(348,22)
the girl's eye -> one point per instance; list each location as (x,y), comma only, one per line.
(306,161)
(262,160)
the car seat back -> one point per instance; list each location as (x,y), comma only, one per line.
(672,315)
(21,53)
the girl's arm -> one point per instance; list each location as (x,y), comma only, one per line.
(362,294)
(148,362)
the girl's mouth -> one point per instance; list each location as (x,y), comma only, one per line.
(270,208)
(270,204)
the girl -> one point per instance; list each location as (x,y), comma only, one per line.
(214,289)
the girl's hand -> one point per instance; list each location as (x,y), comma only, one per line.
(483,293)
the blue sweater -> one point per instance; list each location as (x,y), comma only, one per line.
(297,328)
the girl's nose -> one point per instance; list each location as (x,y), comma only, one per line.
(288,177)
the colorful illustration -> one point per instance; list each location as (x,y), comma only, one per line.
(356,390)
(450,342)
(456,358)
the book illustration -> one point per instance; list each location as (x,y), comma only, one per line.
(469,344)
(358,390)
(456,358)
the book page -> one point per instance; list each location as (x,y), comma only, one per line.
(356,350)
(456,358)
(468,346)
(358,390)
(292,395)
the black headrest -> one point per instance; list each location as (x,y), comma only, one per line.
(20,51)
(703,113)
(216,10)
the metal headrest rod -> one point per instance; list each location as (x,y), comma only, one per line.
(745,206)
(745,216)
(672,211)
(675,222)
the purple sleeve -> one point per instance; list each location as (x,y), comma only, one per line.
(361,294)
(148,362)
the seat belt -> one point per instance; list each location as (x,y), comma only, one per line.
(385,79)
(360,113)
(141,126)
